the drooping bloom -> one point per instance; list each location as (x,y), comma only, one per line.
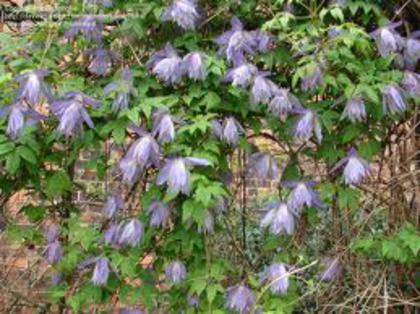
(159,213)
(355,110)
(411,54)
(176,272)
(113,203)
(89,25)
(263,40)
(105,3)
(240,298)
(176,174)
(193,300)
(145,151)
(52,233)
(241,75)
(111,235)
(283,102)
(312,80)
(302,195)
(264,166)
(393,99)
(228,132)
(71,112)
(262,89)
(100,272)
(355,168)
(123,90)
(166,65)
(332,269)
(237,41)
(194,66)
(411,83)
(388,40)
(183,12)
(307,125)
(130,170)
(278,218)
(32,87)
(277,277)
(208,223)
(126,311)
(54,252)
(163,126)
(131,233)
(100,60)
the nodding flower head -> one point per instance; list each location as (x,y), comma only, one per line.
(388,40)
(355,110)
(183,12)
(240,298)
(332,269)
(111,235)
(52,233)
(130,170)
(145,151)
(242,75)
(159,213)
(71,112)
(88,25)
(114,202)
(355,168)
(412,52)
(302,194)
(32,87)
(100,60)
(100,272)
(264,166)
(131,233)
(194,66)
(229,132)
(105,3)
(54,252)
(393,99)
(176,175)
(262,89)
(411,83)
(312,80)
(283,102)
(166,65)
(163,126)
(176,272)
(277,277)
(307,125)
(278,218)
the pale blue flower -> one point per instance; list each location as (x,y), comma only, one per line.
(113,203)
(388,40)
(262,89)
(264,166)
(355,110)
(176,272)
(277,277)
(130,170)
(411,83)
(278,218)
(54,252)
(332,269)
(312,80)
(32,87)
(163,126)
(302,195)
(355,168)
(100,272)
(194,65)
(89,25)
(393,99)
(123,90)
(183,12)
(100,60)
(283,102)
(240,299)
(166,65)
(159,213)
(131,233)
(242,75)
(229,132)
(307,125)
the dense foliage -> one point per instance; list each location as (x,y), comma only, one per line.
(171,97)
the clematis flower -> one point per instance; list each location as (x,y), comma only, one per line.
(194,66)
(307,125)
(159,213)
(393,99)
(52,233)
(166,65)
(54,252)
(355,168)
(125,311)
(100,272)
(264,166)
(411,83)
(176,175)
(193,301)
(262,89)
(283,102)
(163,126)
(131,233)
(105,3)
(411,54)
(32,87)
(113,203)
(71,112)
(208,223)
(263,40)
(277,277)
(229,131)
(240,298)
(130,170)
(302,195)
(355,110)
(111,235)
(183,12)
(388,40)
(332,270)
(278,219)
(241,75)
(145,150)
(89,25)
(176,272)
(123,90)
(237,41)
(312,80)
(100,60)
(20,117)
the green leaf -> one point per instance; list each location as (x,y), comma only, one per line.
(58,184)
(34,213)
(348,198)
(27,154)
(12,162)
(6,148)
